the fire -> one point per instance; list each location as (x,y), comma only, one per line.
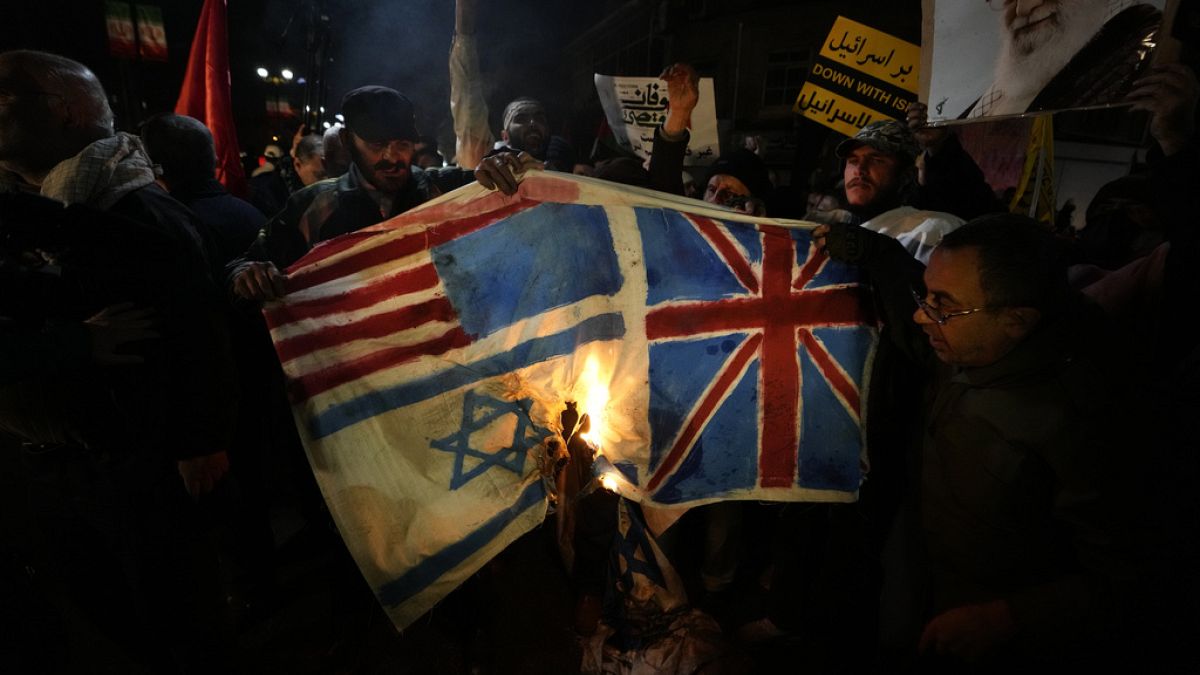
(608,482)
(595,399)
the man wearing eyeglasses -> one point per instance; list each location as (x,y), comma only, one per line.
(1017,509)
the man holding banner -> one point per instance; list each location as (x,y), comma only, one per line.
(880,178)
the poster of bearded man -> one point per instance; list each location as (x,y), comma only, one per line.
(1001,58)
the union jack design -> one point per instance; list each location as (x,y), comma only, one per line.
(428,359)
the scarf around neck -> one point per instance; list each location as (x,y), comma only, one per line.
(101,174)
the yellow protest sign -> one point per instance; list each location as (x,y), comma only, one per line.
(860,75)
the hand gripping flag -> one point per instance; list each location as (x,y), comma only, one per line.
(429,357)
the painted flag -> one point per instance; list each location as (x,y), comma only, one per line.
(119,20)
(648,625)
(152,37)
(428,359)
(205,93)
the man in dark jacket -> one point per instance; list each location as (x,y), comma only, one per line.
(382,182)
(1018,505)
(113,442)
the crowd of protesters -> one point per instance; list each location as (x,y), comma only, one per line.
(1031,499)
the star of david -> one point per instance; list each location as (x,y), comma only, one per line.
(478,412)
(634,542)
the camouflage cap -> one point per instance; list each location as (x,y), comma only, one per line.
(885,135)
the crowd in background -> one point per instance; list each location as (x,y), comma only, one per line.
(1031,500)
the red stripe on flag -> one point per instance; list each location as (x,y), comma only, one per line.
(841,383)
(780,369)
(728,251)
(374,326)
(310,385)
(729,376)
(303,276)
(812,267)
(818,307)
(408,281)
(330,247)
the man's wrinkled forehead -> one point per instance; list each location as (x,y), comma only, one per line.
(525,109)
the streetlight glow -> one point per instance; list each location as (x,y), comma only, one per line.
(262,72)
(287,73)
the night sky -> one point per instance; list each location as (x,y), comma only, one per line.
(399,43)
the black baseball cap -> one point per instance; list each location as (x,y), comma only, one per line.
(378,113)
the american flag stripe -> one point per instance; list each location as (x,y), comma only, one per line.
(610,326)
(396,248)
(372,326)
(332,247)
(320,381)
(359,297)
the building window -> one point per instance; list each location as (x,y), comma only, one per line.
(786,71)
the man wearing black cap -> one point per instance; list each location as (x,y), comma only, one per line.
(740,181)
(880,178)
(380,135)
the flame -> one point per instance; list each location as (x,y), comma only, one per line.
(609,482)
(595,399)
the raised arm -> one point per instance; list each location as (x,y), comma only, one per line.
(468,107)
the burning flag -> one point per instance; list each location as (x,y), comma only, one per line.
(429,358)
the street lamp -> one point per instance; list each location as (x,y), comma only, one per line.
(276,81)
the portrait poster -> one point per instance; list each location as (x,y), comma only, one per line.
(860,75)
(1000,58)
(636,106)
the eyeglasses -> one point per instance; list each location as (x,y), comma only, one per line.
(935,314)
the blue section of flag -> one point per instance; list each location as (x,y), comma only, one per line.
(827,430)
(848,345)
(548,256)
(680,264)
(602,327)
(719,471)
(433,567)
(749,237)
(679,372)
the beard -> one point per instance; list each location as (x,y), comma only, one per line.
(1035,48)
(374,173)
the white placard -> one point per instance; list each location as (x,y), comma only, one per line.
(635,106)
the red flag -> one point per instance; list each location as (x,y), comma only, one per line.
(205,93)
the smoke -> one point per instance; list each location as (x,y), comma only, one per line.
(405,44)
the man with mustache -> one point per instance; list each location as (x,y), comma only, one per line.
(1067,53)
(380,135)
(880,183)
(1024,547)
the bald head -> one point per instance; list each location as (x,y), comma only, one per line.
(337,158)
(50,108)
